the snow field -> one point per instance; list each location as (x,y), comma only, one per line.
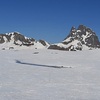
(32,78)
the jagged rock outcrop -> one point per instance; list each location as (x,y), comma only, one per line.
(78,39)
(16,39)
(82,38)
(43,42)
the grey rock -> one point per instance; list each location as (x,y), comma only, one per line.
(84,36)
(42,42)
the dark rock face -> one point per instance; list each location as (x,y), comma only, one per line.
(42,42)
(16,37)
(57,47)
(25,41)
(6,36)
(79,37)
(72,32)
(92,41)
(19,37)
(1,39)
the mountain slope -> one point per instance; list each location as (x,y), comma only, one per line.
(17,40)
(82,38)
(78,39)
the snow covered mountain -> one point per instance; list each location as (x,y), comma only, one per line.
(17,40)
(82,38)
(78,39)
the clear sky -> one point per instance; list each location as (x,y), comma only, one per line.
(50,20)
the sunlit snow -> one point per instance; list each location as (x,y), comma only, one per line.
(30,75)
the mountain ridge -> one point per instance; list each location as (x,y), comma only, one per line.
(17,40)
(78,39)
(81,38)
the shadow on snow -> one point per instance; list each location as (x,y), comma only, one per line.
(20,62)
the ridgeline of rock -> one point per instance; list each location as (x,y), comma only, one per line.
(15,39)
(78,39)
(82,38)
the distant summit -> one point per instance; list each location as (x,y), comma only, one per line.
(82,38)
(17,40)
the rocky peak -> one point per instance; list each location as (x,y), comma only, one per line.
(82,28)
(16,39)
(85,36)
(72,32)
(78,39)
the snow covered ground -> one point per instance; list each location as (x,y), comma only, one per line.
(31,75)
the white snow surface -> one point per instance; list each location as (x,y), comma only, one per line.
(30,75)
(37,45)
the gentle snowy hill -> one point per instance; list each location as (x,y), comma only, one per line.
(16,40)
(31,75)
(82,38)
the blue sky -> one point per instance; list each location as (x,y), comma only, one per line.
(50,20)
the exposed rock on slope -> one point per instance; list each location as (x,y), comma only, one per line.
(16,39)
(82,38)
(78,39)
